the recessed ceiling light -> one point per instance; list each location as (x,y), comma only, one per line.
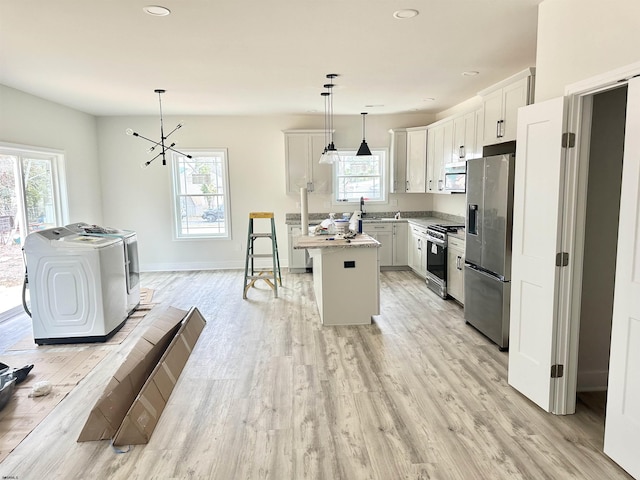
(403,14)
(470,73)
(428,99)
(374,106)
(156,10)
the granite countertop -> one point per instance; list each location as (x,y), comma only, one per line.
(361,240)
(423,218)
(459,234)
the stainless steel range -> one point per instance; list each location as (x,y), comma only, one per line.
(437,257)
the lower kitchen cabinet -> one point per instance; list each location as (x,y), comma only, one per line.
(455,268)
(382,232)
(299,260)
(417,245)
(400,244)
(393,239)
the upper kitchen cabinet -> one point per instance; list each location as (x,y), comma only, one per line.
(302,155)
(439,153)
(500,106)
(416,159)
(398,177)
(465,141)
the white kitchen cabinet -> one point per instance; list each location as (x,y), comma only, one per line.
(416,159)
(393,237)
(500,106)
(398,177)
(382,232)
(455,268)
(439,154)
(400,244)
(464,137)
(418,250)
(299,260)
(302,156)
(479,113)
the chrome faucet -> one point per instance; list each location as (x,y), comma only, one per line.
(362,210)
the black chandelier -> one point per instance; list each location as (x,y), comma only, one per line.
(164,147)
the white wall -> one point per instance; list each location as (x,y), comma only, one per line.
(578,39)
(31,121)
(454,204)
(601,237)
(140,199)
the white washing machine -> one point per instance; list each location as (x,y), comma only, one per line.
(132,266)
(76,285)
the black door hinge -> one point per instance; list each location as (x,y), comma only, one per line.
(557,371)
(568,140)
(562,259)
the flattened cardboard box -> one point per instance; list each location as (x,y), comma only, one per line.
(143,416)
(116,401)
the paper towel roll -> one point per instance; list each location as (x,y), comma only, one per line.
(304,212)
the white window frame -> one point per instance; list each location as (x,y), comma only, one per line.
(58,181)
(178,234)
(384,178)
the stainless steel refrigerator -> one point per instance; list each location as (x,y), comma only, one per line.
(487,272)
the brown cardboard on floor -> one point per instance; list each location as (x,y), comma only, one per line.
(107,415)
(62,367)
(143,416)
(132,400)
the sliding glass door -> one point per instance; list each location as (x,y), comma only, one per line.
(29,201)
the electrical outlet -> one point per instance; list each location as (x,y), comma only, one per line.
(238,246)
(297,205)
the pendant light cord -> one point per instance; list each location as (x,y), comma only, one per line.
(162,138)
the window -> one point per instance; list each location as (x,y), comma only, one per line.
(356,177)
(201,190)
(30,197)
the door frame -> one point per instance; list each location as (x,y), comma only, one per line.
(580,96)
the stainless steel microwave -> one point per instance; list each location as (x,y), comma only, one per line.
(455,182)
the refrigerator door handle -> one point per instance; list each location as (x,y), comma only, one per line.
(473,219)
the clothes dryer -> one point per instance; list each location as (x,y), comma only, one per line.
(132,266)
(76,286)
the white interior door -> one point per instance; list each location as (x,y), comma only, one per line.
(537,210)
(622,427)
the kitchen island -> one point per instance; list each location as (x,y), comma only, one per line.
(346,277)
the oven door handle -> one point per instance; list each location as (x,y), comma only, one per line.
(437,241)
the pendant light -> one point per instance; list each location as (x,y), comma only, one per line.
(163,147)
(331,155)
(364,150)
(324,158)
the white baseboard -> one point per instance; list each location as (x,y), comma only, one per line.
(194,266)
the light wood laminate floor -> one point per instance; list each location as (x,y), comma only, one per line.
(269,393)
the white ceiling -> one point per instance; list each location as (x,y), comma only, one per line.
(252,57)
